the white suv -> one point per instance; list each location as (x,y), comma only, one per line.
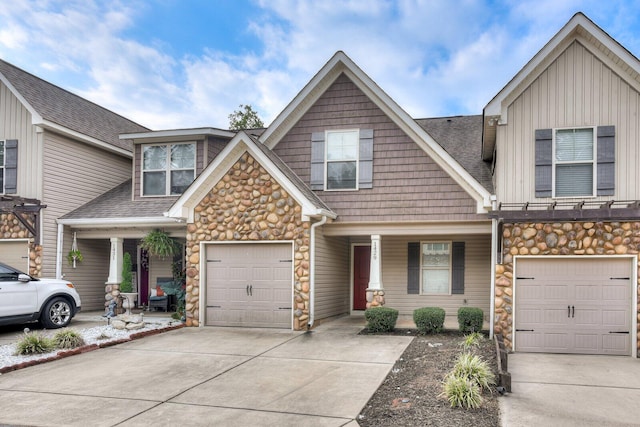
(26,299)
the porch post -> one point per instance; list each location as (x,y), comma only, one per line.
(115,270)
(375,291)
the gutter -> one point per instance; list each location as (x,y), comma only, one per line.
(494,260)
(59,243)
(312,272)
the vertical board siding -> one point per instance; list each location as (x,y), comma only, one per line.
(90,275)
(577,89)
(15,123)
(332,281)
(71,181)
(477,276)
(407,184)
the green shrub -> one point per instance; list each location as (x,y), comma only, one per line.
(462,392)
(68,338)
(381,319)
(471,341)
(126,285)
(34,343)
(475,369)
(429,319)
(470,319)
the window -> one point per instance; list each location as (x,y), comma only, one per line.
(167,169)
(436,268)
(342,160)
(574,162)
(579,162)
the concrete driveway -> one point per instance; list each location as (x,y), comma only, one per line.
(572,390)
(208,376)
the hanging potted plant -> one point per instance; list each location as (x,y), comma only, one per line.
(74,256)
(126,286)
(159,243)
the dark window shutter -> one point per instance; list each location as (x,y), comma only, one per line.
(317,161)
(365,179)
(606,160)
(544,162)
(457,270)
(413,268)
(11,166)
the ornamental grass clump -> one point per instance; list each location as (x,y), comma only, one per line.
(471,341)
(67,339)
(475,369)
(462,392)
(34,343)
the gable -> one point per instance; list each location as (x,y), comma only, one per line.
(408,185)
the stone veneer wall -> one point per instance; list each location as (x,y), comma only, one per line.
(12,228)
(560,238)
(247,204)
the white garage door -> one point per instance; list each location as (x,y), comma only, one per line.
(15,254)
(249,285)
(573,305)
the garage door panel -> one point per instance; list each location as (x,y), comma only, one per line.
(616,344)
(582,301)
(15,254)
(558,341)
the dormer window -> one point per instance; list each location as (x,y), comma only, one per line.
(167,169)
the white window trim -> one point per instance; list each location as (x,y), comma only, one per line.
(450,243)
(594,162)
(356,160)
(167,170)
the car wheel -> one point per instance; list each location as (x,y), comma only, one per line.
(56,314)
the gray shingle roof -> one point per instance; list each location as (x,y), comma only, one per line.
(461,137)
(68,110)
(117,203)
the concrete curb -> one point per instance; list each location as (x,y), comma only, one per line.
(87,348)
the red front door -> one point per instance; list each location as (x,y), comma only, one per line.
(361,262)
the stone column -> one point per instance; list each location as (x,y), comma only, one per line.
(112,289)
(375,291)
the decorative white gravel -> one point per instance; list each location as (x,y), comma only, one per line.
(93,335)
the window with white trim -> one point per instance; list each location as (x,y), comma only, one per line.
(435,268)
(167,169)
(574,162)
(342,160)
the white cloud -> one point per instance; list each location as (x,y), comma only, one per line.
(432,57)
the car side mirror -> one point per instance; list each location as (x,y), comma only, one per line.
(24,277)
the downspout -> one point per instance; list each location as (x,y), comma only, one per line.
(494,260)
(312,272)
(59,243)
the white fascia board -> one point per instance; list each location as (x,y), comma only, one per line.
(36,118)
(422,138)
(294,106)
(428,228)
(570,30)
(84,138)
(340,62)
(178,133)
(119,222)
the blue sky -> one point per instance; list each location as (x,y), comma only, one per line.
(190,63)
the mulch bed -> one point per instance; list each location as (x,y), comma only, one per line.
(409,396)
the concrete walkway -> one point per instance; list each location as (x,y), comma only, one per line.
(209,376)
(572,390)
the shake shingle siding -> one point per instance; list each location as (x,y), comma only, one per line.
(407,184)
